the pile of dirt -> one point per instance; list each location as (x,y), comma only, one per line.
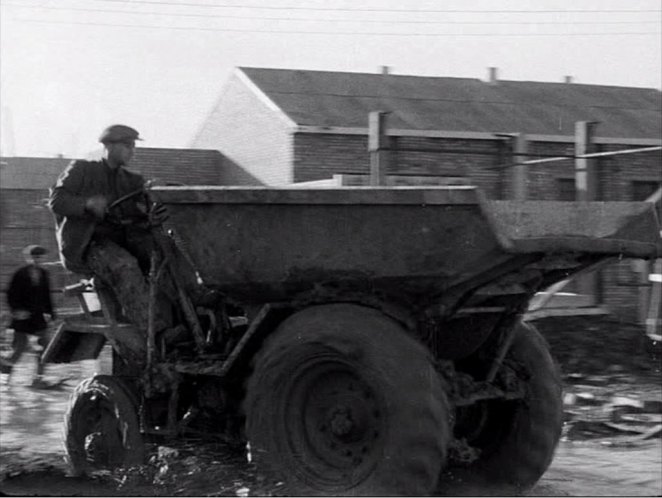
(599,344)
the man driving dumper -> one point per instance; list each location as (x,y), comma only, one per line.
(103,230)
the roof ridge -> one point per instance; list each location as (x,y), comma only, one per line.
(479,80)
(459,101)
(328,71)
(344,100)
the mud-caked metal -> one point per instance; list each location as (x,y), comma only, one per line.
(356,341)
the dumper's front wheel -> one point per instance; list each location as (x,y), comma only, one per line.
(101,429)
(343,402)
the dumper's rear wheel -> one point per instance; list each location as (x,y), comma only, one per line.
(101,429)
(343,402)
(516,438)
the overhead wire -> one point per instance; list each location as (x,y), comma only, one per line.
(352,33)
(323,32)
(308,19)
(340,9)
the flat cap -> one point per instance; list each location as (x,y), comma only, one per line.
(34,250)
(118,133)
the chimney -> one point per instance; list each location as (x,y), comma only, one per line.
(493,75)
(567,79)
(385,69)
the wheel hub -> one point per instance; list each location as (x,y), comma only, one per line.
(96,448)
(99,428)
(341,422)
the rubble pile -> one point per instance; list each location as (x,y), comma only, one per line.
(601,344)
(611,406)
(612,378)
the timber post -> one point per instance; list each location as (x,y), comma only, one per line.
(376,146)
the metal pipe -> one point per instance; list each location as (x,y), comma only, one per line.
(501,354)
(579,156)
(593,154)
(151,342)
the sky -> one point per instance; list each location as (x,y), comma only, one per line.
(69,68)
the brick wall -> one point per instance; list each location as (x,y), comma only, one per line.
(618,173)
(30,172)
(269,149)
(188,166)
(620,288)
(320,156)
(480,167)
(615,174)
(251,135)
(25,219)
(185,166)
(622,285)
(542,179)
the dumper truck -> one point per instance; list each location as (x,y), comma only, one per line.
(356,341)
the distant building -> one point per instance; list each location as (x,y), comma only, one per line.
(280,127)
(285,126)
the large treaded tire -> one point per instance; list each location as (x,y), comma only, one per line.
(519,437)
(103,409)
(343,402)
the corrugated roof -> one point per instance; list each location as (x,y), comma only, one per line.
(337,99)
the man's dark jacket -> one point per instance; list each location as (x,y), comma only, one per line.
(24,294)
(74,225)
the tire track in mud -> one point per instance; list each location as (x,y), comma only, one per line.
(586,469)
(32,463)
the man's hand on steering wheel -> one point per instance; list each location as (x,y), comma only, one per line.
(97,205)
(158,214)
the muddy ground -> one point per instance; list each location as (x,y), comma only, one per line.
(611,444)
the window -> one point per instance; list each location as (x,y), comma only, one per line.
(565,189)
(643,189)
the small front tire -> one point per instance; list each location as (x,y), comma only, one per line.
(102,429)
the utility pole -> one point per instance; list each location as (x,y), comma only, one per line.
(519,174)
(586,184)
(586,189)
(376,144)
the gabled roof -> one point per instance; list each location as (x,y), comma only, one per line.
(337,99)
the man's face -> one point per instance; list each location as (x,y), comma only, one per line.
(35,259)
(121,153)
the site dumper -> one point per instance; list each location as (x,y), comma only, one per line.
(358,341)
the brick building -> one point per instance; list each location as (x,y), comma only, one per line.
(289,126)
(24,184)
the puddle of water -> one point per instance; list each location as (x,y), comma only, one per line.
(32,418)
